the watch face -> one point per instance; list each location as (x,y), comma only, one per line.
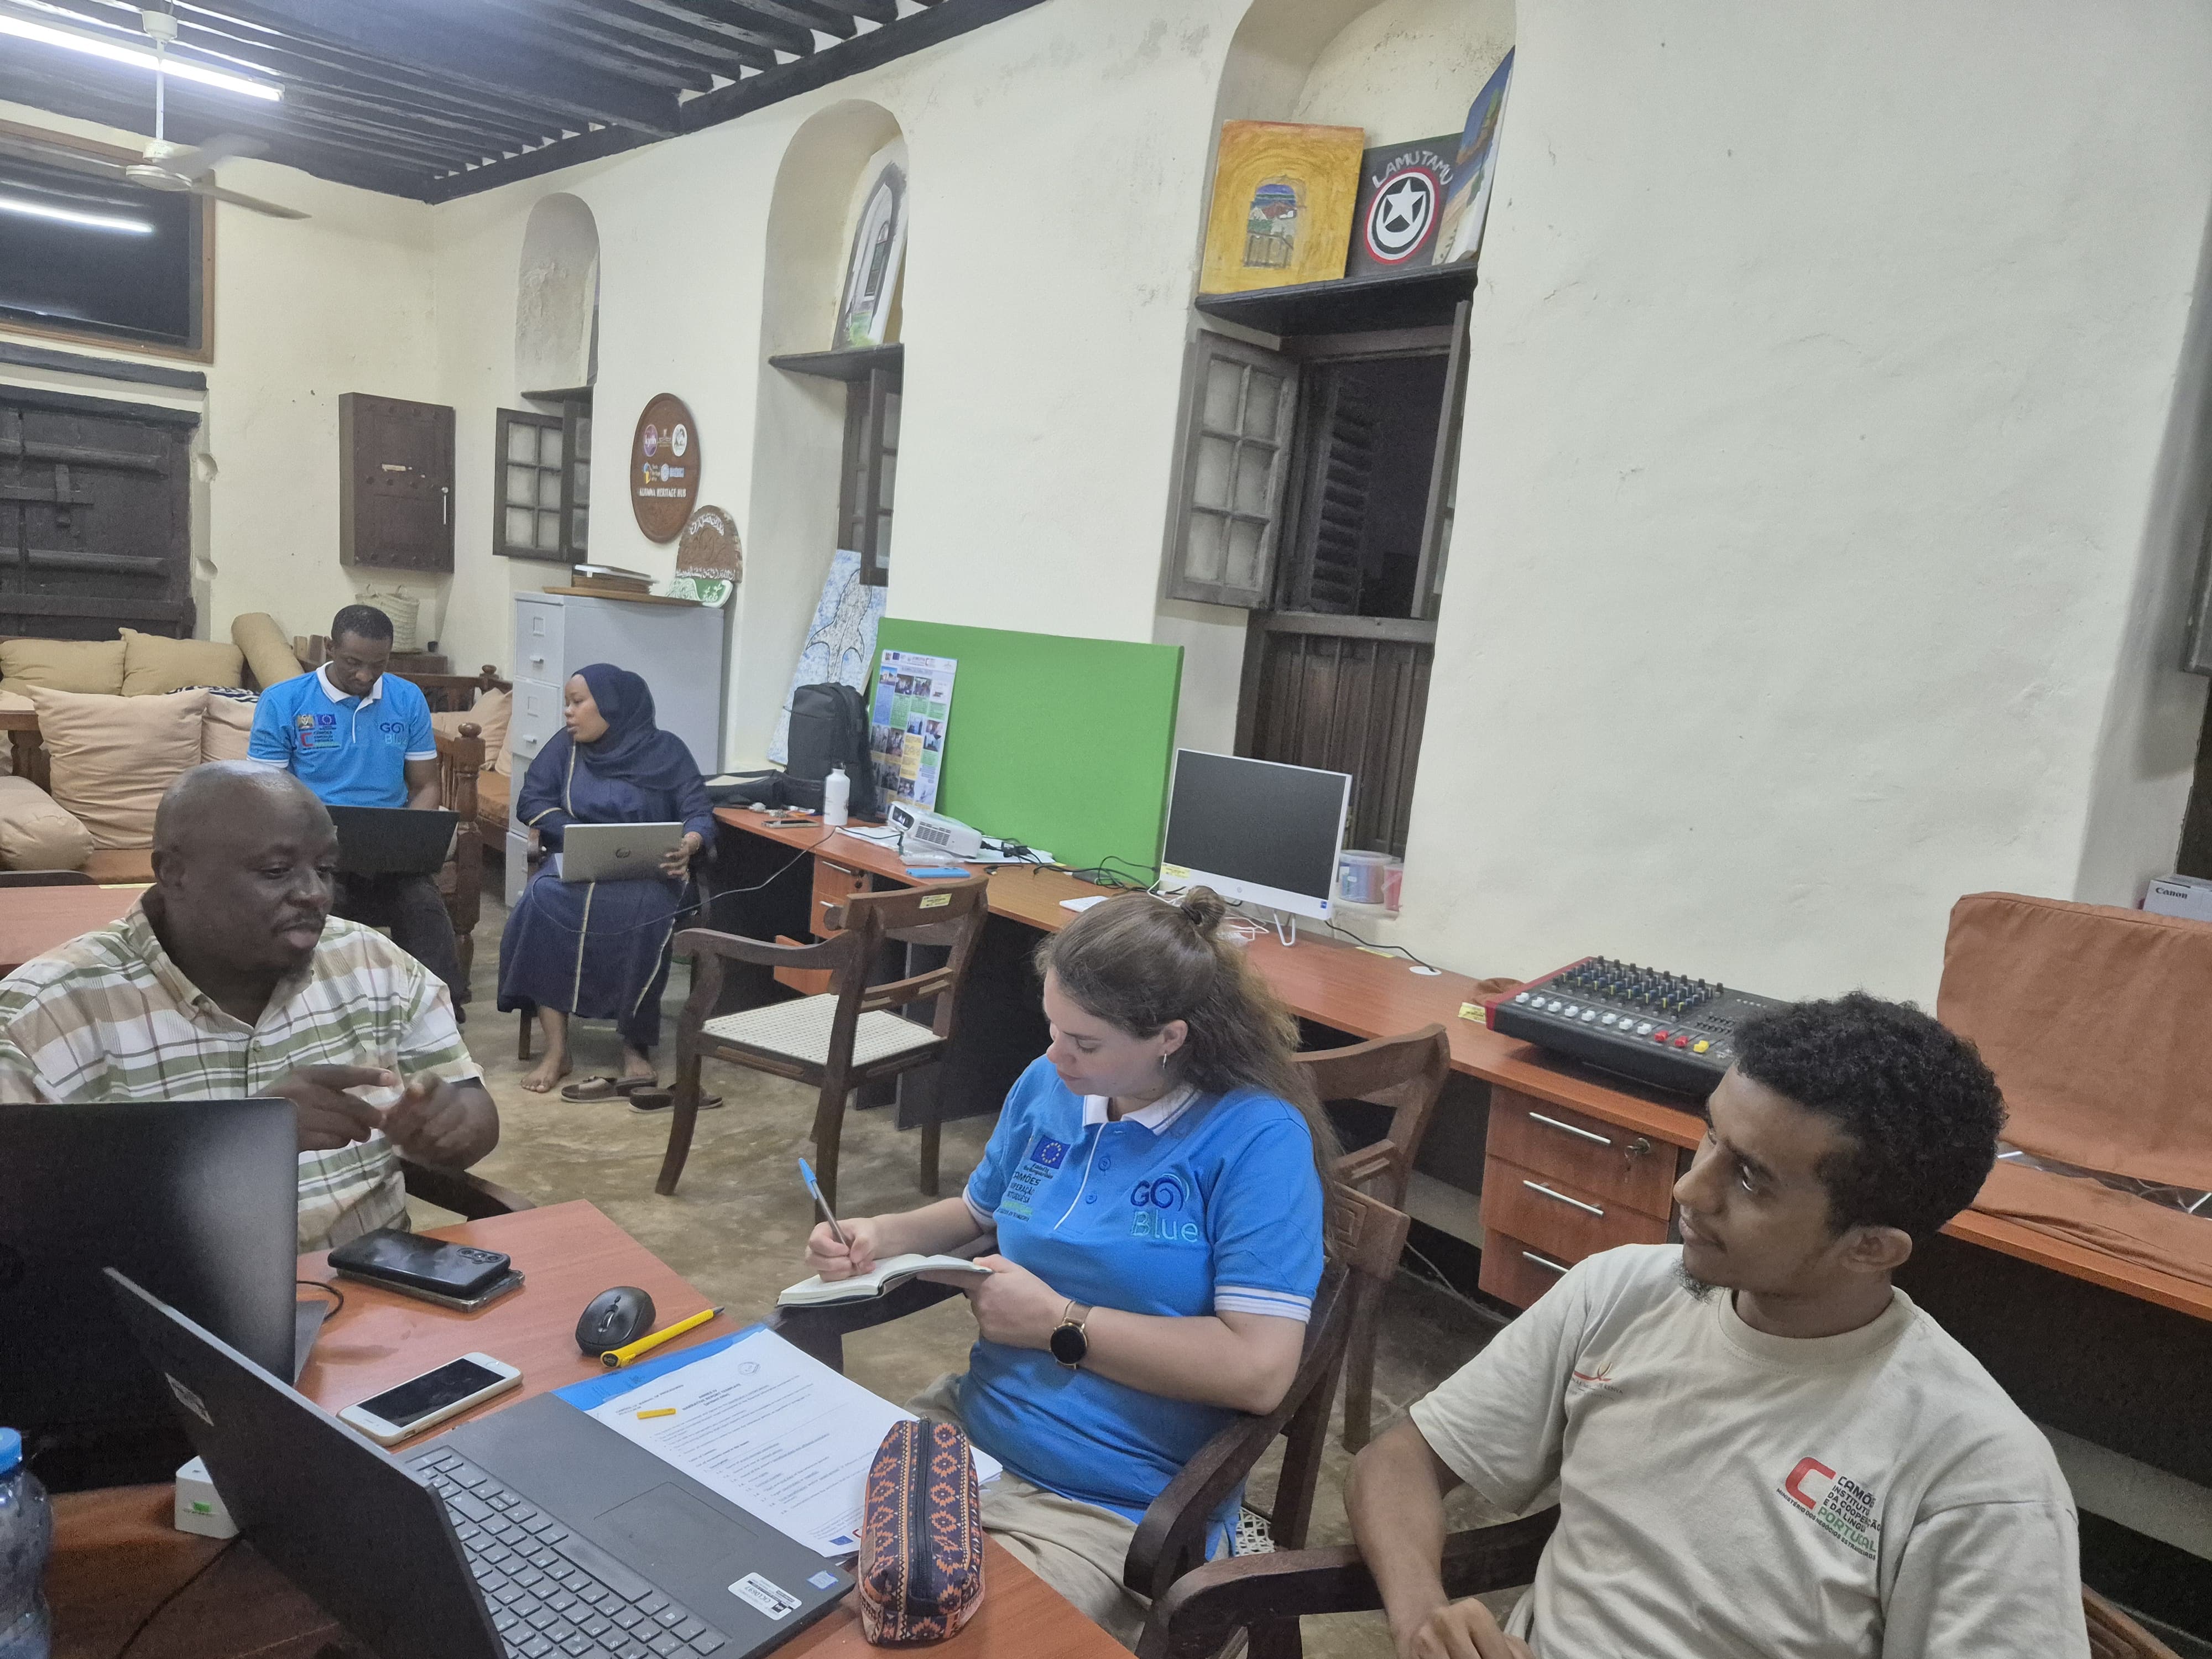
(1069,1345)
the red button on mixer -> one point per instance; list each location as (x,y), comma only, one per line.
(1681,1042)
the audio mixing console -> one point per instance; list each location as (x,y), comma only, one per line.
(1658,1028)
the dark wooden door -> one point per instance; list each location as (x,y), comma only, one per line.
(95,517)
(395,484)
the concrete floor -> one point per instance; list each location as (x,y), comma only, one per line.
(737,1226)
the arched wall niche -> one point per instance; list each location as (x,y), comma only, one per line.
(798,434)
(557,312)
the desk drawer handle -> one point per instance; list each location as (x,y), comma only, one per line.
(1568,1128)
(1538,1187)
(1543,1261)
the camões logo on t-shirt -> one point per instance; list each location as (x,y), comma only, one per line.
(1836,1501)
(1045,1159)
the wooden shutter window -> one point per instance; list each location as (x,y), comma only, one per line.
(1242,403)
(541,503)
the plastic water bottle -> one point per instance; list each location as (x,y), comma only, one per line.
(26,1534)
(836,791)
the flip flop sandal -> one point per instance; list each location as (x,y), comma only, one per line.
(662,1100)
(636,1085)
(591,1088)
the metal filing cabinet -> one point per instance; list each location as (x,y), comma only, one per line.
(680,649)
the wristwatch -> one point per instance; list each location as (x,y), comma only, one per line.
(1068,1343)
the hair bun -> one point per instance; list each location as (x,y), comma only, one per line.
(1203,908)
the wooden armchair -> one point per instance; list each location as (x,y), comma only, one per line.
(843,1038)
(469,1196)
(1365,1237)
(1268,1594)
(1405,1073)
(460,758)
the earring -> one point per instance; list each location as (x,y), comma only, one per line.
(1163,1062)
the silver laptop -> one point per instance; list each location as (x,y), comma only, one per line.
(616,852)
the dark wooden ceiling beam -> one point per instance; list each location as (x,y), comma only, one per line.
(909,35)
(727,56)
(23,82)
(723,19)
(670,62)
(803,14)
(430,38)
(876,11)
(362,77)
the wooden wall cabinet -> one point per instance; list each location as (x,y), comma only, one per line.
(395,484)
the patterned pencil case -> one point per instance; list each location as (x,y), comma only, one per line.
(921,1539)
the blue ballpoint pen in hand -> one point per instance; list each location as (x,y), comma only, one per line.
(806,1174)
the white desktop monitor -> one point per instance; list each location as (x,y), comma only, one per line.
(1255,831)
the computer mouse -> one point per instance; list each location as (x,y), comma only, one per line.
(614,1319)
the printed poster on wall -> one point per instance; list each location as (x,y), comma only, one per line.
(906,730)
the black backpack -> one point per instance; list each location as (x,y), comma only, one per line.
(830,727)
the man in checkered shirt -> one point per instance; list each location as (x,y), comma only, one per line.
(230,979)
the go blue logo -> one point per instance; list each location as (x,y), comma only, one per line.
(1161,1207)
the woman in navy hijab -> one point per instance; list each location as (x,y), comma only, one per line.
(599,949)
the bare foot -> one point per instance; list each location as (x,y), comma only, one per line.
(636,1064)
(548,1072)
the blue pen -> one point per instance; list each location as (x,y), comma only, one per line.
(806,1174)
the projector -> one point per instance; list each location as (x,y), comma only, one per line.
(946,837)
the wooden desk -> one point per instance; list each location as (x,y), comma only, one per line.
(116,1557)
(1365,995)
(34,920)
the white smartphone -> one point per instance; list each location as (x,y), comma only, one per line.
(424,1401)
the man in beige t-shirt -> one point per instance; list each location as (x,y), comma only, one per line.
(1760,1446)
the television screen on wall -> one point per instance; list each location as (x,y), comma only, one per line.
(81,256)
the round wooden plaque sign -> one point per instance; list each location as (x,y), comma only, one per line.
(664,468)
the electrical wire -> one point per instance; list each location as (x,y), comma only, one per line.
(338,1295)
(1366,944)
(163,1606)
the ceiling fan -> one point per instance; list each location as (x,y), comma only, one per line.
(162,165)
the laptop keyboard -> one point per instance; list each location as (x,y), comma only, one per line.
(551,1593)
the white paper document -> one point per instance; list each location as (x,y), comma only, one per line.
(767,1427)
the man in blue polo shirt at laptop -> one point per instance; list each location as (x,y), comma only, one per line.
(360,736)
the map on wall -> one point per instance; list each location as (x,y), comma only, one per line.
(841,645)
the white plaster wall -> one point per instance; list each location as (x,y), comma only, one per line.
(1407,69)
(1810,479)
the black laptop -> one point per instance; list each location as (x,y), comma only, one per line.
(393,841)
(533,1531)
(196,1200)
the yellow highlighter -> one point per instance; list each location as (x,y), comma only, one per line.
(663,1411)
(615,1359)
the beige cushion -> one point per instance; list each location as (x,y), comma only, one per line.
(63,665)
(800,1031)
(489,714)
(35,834)
(227,727)
(268,652)
(153,664)
(112,756)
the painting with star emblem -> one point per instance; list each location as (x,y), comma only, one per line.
(1402,189)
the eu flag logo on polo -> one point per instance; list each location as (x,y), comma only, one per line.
(1049,1152)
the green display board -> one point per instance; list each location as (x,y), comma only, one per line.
(1065,743)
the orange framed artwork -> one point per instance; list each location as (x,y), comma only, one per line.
(1283,197)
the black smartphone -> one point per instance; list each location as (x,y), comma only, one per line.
(408,1262)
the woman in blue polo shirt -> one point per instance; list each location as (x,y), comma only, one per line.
(1155,1185)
